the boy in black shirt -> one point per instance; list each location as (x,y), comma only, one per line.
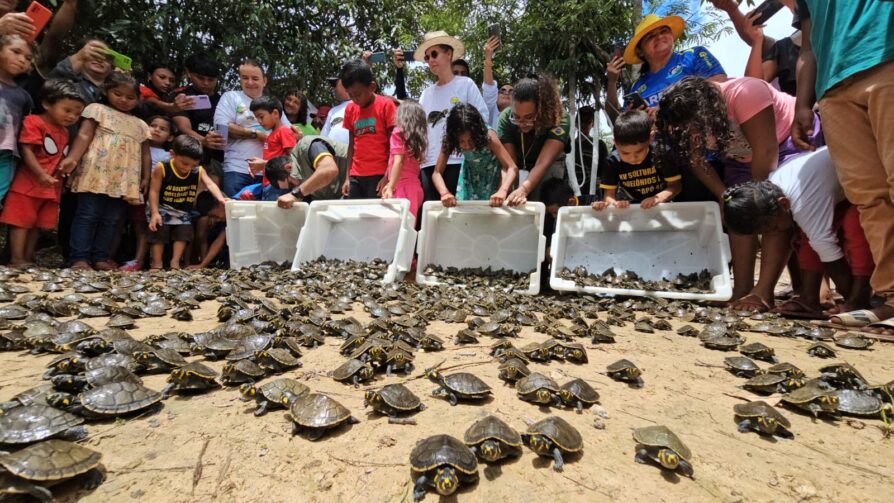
(203,73)
(631,167)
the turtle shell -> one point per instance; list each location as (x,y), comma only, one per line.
(581,390)
(248,346)
(620,366)
(722,343)
(858,403)
(765,380)
(443,450)
(465,383)
(741,363)
(315,410)
(398,396)
(197,369)
(280,356)
(242,371)
(805,394)
(32,423)
(130,347)
(513,368)
(347,370)
(50,461)
(118,398)
(170,357)
(854,341)
(821,350)
(786,369)
(492,427)
(275,391)
(111,360)
(535,381)
(565,436)
(30,396)
(756,348)
(110,374)
(760,409)
(661,436)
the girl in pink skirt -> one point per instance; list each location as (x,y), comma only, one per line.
(409,142)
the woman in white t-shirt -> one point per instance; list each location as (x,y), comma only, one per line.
(439,50)
(245,137)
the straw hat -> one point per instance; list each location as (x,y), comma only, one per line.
(649,23)
(434,38)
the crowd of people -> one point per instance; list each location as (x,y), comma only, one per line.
(92,153)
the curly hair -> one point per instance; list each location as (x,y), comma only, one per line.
(413,127)
(750,207)
(690,113)
(302,108)
(464,118)
(543,91)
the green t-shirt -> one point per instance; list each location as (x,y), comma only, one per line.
(307,153)
(528,146)
(848,37)
(307,129)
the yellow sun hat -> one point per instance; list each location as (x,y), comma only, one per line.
(649,23)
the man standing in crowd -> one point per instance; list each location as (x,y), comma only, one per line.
(334,128)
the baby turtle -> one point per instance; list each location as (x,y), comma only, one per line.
(536,352)
(786,369)
(94,378)
(192,377)
(314,413)
(279,393)
(276,360)
(353,372)
(513,369)
(854,341)
(772,383)
(241,371)
(108,400)
(32,423)
(466,336)
(660,445)
(644,326)
(625,370)
(578,393)
(762,418)
(459,386)
(574,352)
(843,375)
(741,366)
(160,360)
(27,397)
(400,360)
(722,343)
(551,437)
(813,399)
(393,400)
(687,331)
(491,439)
(443,463)
(759,351)
(45,463)
(821,350)
(861,403)
(539,389)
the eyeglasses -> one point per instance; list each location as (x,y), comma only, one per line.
(506,90)
(528,119)
(432,55)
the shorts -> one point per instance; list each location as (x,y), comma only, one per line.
(28,212)
(170,233)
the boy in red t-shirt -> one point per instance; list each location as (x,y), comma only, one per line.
(33,199)
(281,139)
(369,119)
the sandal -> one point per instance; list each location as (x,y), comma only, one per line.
(853,319)
(750,302)
(81,265)
(797,308)
(882,330)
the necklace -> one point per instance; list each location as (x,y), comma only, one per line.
(524,152)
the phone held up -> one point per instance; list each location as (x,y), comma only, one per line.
(634,101)
(40,16)
(766,10)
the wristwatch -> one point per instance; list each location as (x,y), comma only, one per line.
(296,193)
(254,134)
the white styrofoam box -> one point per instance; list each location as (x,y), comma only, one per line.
(663,241)
(258,231)
(362,230)
(473,234)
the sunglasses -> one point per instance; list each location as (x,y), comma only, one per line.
(506,90)
(432,55)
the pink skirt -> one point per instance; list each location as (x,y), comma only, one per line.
(411,190)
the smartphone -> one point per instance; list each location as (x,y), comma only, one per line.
(40,16)
(766,10)
(493,30)
(634,101)
(617,51)
(200,102)
(223,130)
(120,60)
(377,57)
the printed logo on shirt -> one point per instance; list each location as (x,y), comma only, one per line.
(437,115)
(338,120)
(704,57)
(365,126)
(558,130)
(641,88)
(454,100)
(49,145)
(675,71)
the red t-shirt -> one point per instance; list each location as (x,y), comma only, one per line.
(50,146)
(280,142)
(146,92)
(371,129)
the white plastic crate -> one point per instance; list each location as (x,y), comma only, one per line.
(656,243)
(258,231)
(362,230)
(473,234)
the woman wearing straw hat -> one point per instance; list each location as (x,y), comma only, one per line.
(653,46)
(439,50)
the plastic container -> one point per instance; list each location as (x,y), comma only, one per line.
(473,234)
(656,243)
(362,230)
(259,231)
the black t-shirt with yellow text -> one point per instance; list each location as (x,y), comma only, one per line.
(641,181)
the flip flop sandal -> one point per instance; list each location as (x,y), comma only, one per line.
(750,302)
(796,308)
(886,324)
(853,319)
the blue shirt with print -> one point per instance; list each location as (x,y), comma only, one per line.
(696,61)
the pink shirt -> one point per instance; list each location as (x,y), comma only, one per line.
(745,97)
(410,167)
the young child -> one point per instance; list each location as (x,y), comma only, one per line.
(33,199)
(161,130)
(172,196)
(631,167)
(488,170)
(369,119)
(280,141)
(409,142)
(160,82)
(15,59)
(277,171)
(805,191)
(111,154)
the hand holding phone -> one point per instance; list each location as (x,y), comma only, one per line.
(119,60)
(493,31)
(40,16)
(765,11)
(376,57)
(634,101)
(223,130)
(200,102)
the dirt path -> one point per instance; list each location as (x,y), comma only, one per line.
(211,448)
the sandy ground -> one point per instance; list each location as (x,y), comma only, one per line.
(211,448)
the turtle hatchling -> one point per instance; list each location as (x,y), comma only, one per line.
(315,413)
(32,423)
(354,372)
(241,371)
(861,403)
(763,418)
(393,400)
(27,471)
(813,399)
(821,350)
(759,351)
(491,439)
(854,341)
(443,463)
(193,377)
(539,389)
(459,386)
(660,445)
(513,369)
(279,393)
(276,360)
(552,437)
(108,400)
(625,370)
(741,366)
(578,393)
